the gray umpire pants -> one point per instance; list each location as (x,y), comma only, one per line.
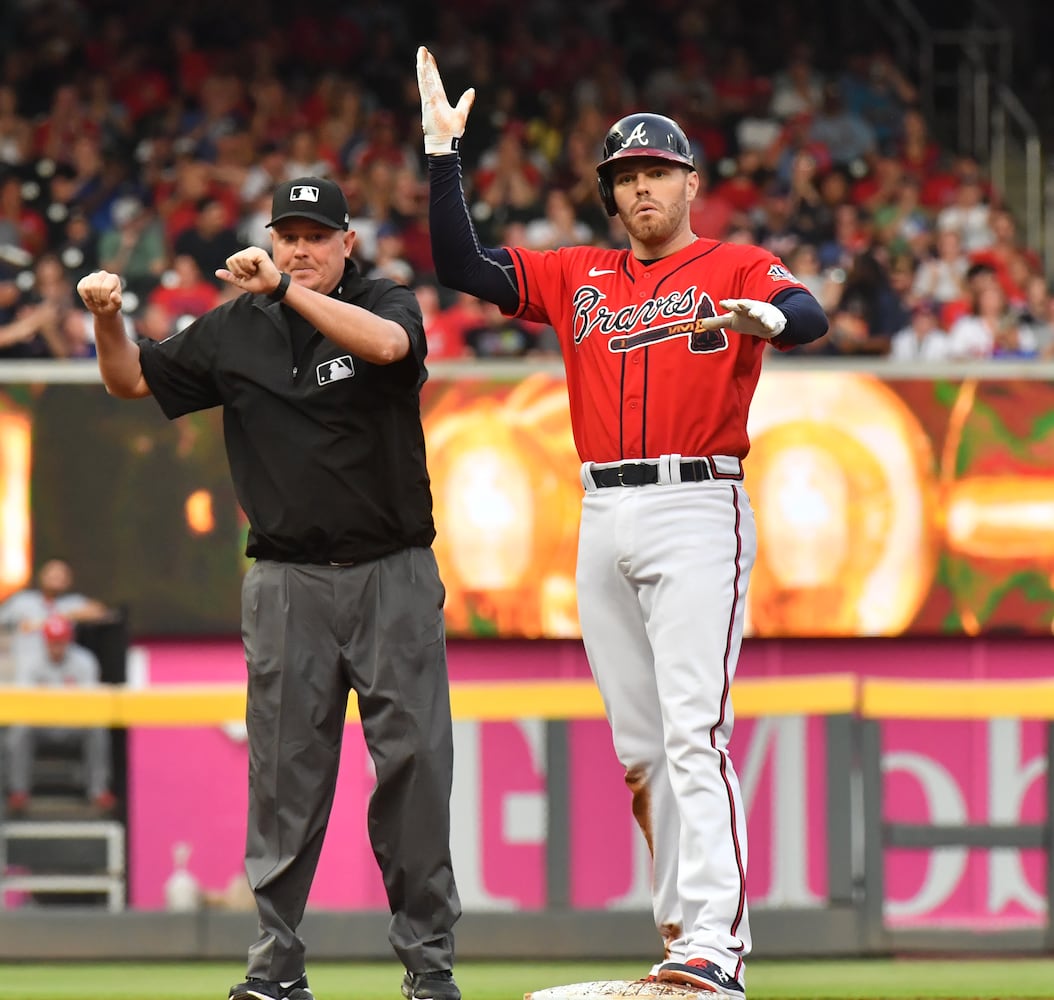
(312,635)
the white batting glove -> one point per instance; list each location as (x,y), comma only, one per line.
(753,317)
(443,125)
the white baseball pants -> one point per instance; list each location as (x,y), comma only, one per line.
(662,579)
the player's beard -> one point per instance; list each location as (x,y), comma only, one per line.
(657,228)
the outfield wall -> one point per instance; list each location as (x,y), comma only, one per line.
(188,785)
(542,833)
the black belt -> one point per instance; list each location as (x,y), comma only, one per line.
(647,474)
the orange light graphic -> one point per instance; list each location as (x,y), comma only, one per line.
(840,475)
(507,498)
(15,521)
(199,513)
(1009,517)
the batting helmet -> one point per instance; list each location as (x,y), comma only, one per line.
(641,134)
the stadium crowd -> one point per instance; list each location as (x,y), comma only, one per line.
(148,142)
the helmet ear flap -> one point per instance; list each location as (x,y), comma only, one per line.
(607,195)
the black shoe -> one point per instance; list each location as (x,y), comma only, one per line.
(266,989)
(704,975)
(430,986)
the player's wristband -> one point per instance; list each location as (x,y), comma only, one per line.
(441,144)
(281,288)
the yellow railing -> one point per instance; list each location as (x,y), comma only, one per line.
(486,701)
(498,701)
(915,699)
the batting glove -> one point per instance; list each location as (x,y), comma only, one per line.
(753,317)
(443,125)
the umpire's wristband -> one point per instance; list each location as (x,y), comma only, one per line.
(281,288)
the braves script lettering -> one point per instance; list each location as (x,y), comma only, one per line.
(590,315)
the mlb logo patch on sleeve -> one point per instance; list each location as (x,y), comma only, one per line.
(335,370)
(777,272)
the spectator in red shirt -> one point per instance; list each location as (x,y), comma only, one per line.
(183,290)
(942,185)
(55,136)
(445,328)
(178,198)
(741,188)
(1012,262)
(508,184)
(711,213)
(142,86)
(20,226)
(383,142)
(917,151)
(193,63)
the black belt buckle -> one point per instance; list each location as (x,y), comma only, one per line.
(636,474)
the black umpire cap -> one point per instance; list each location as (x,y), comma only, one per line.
(316,198)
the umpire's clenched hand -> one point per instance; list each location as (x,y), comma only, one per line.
(443,125)
(251,270)
(100,292)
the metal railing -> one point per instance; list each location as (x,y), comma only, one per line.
(965,75)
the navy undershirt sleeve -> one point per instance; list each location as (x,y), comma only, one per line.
(806,320)
(460,261)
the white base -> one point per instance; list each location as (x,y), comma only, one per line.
(614,990)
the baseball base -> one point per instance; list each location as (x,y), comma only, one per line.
(613,990)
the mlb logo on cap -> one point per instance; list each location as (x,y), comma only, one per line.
(316,198)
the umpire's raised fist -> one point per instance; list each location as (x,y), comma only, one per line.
(101,292)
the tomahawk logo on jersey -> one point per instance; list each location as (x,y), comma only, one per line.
(647,381)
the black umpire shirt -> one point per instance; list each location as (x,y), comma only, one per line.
(326,451)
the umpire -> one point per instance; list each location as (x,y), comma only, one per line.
(319,373)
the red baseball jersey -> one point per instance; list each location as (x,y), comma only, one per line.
(642,379)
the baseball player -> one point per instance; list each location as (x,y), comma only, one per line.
(662,345)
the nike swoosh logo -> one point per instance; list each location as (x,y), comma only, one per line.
(596,272)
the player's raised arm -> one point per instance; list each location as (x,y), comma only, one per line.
(117,355)
(460,261)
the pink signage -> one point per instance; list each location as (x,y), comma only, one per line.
(188,785)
